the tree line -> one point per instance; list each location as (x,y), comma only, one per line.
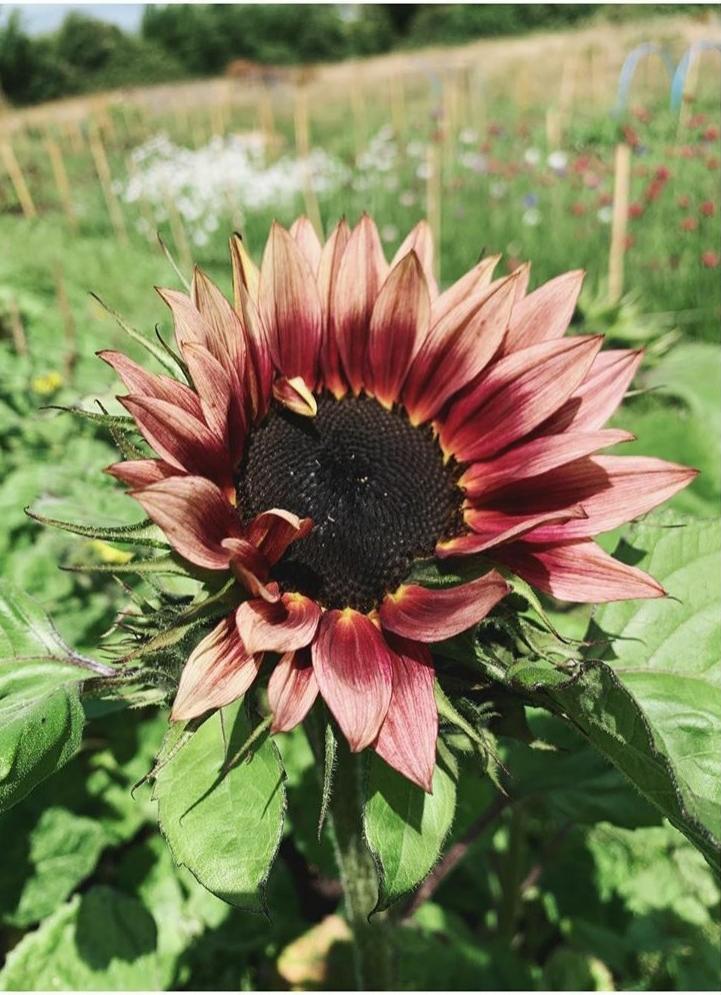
(182,41)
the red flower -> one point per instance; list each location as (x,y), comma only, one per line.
(710,259)
(708,208)
(683,201)
(711,134)
(635,210)
(347,419)
(712,162)
(663,174)
(578,209)
(689,224)
(605,199)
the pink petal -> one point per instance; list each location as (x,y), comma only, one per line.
(286,625)
(456,349)
(218,671)
(523,275)
(407,738)
(515,396)
(595,400)
(274,530)
(141,472)
(435,614)
(190,325)
(195,517)
(213,386)
(611,489)
(420,241)
(398,325)
(251,568)
(143,384)
(292,689)
(246,277)
(353,667)
(182,440)
(308,242)
(227,336)
(290,307)
(330,361)
(491,527)
(528,459)
(546,313)
(259,369)
(361,272)
(467,286)
(577,571)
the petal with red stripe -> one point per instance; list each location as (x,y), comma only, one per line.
(141,472)
(290,307)
(361,271)
(491,527)
(399,324)
(544,314)
(218,671)
(515,396)
(407,738)
(195,517)
(420,241)
(591,405)
(143,384)
(292,689)
(577,571)
(433,614)
(354,670)
(288,624)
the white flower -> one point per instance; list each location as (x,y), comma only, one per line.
(468,136)
(498,189)
(531,217)
(558,161)
(389,233)
(424,170)
(604,214)
(407,198)
(532,156)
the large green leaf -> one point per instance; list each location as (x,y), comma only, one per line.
(225,828)
(40,868)
(41,717)
(653,705)
(405,827)
(102,940)
(668,653)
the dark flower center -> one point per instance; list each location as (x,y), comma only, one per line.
(376,488)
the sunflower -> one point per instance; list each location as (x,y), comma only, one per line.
(343,419)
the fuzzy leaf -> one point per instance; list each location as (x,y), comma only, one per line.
(225,829)
(41,717)
(405,827)
(102,940)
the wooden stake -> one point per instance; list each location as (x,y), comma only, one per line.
(398,104)
(266,119)
(553,129)
(61,181)
(68,317)
(145,209)
(18,180)
(357,98)
(16,329)
(102,168)
(180,236)
(621,182)
(302,144)
(433,199)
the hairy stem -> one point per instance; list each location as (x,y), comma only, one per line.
(372,939)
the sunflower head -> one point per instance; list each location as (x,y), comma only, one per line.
(341,420)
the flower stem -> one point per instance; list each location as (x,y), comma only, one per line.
(373,959)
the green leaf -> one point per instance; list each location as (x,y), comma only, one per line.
(668,655)
(405,828)
(40,868)
(225,829)
(102,940)
(652,706)
(41,717)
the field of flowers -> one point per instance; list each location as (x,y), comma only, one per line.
(563,892)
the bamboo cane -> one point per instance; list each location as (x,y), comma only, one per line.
(18,180)
(102,168)
(617,252)
(61,181)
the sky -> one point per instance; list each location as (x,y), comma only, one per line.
(39,18)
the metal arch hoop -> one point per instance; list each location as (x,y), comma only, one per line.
(678,82)
(629,68)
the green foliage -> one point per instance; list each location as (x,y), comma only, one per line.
(405,827)
(224,827)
